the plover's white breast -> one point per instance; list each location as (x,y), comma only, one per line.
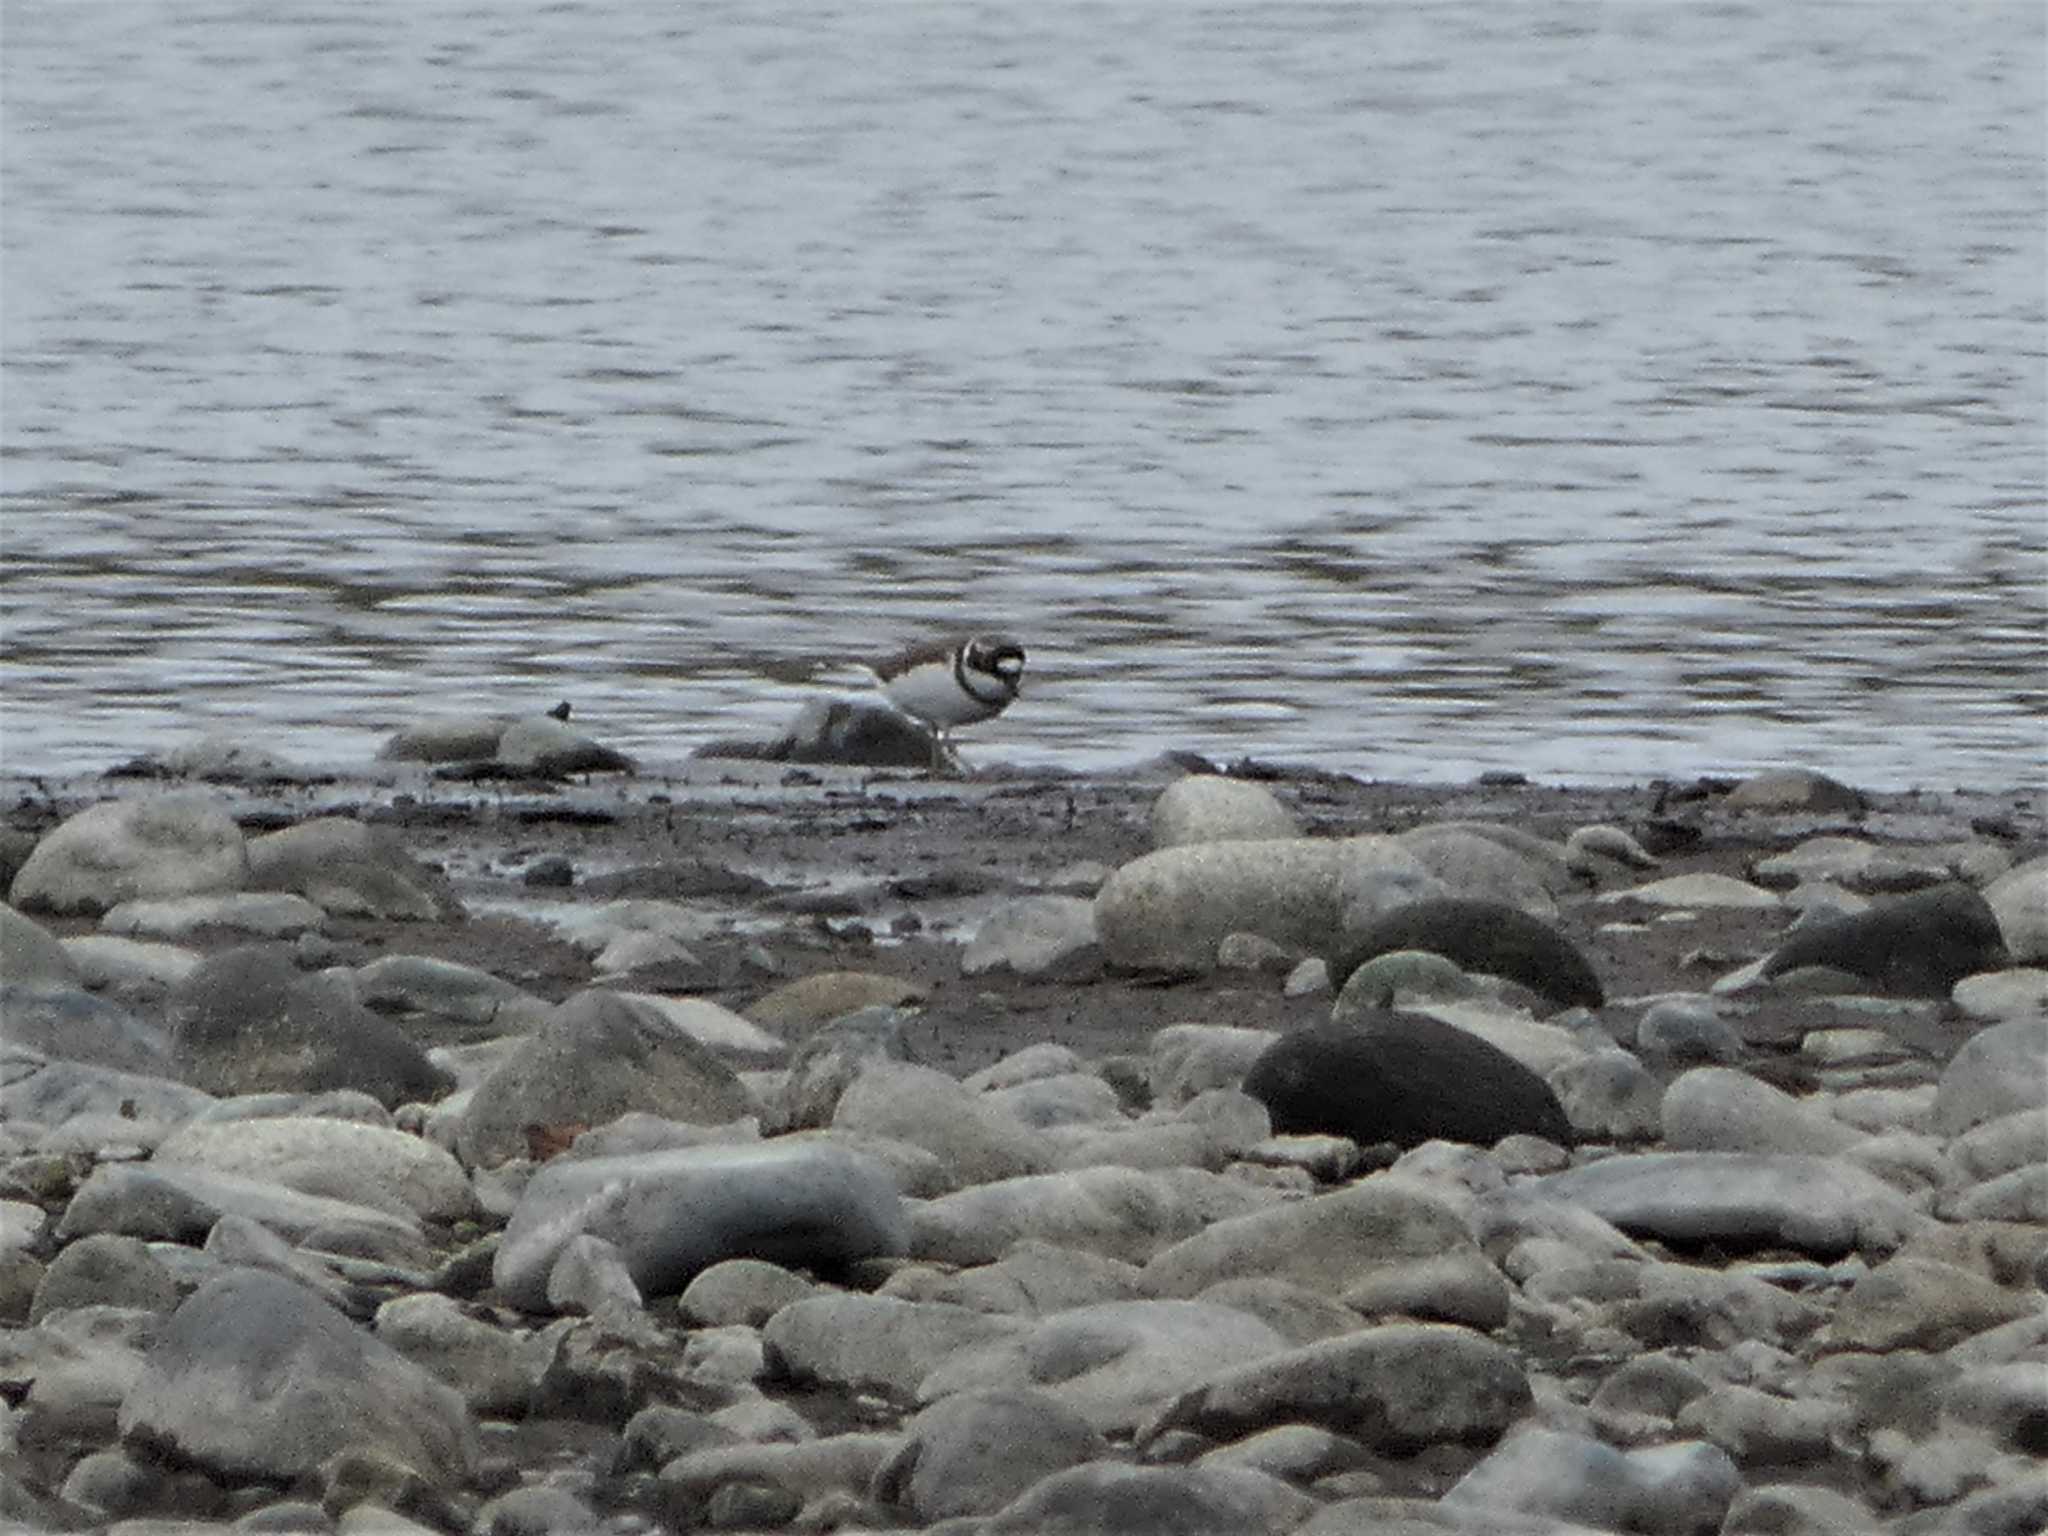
(931,691)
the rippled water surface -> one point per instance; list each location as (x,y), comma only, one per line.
(1597,390)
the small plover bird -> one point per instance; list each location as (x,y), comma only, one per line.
(953,682)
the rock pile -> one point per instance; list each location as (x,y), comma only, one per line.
(1535,1220)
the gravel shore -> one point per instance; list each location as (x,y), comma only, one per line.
(755,1147)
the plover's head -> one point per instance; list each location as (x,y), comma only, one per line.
(997,656)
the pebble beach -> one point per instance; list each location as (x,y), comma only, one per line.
(504,1139)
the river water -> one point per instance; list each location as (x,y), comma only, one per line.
(1598,390)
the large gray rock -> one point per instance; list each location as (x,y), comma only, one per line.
(1113,1498)
(336,1158)
(975,1140)
(441,989)
(550,746)
(972,1453)
(1114,1363)
(1917,1303)
(50,1091)
(180,1205)
(1681,1489)
(672,1214)
(1398,1388)
(847,1339)
(1718,1109)
(495,1369)
(1167,911)
(135,969)
(61,1019)
(1033,1279)
(1820,1205)
(1385,1244)
(2019,899)
(176,844)
(257,914)
(1208,808)
(247,1020)
(1481,861)
(255,1379)
(30,953)
(1186,1060)
(104,1270)
(1120,1213)
(1794,789)
(828,1059)
(1033,935)
(347,867)
(462,738)
(597,1058)
(1998,1071)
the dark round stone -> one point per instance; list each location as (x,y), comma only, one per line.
(1405,1078)
(1917,946)
(1488,936)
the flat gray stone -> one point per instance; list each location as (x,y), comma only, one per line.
(1113,1498)
(1115,1363)
(1385,1244)
(975,1140)
(1396,1388)
(349,868)
(1031,936)
(597,1057)
(1120,1213)
(847,1339)
(1718,1109)
(327,1157)
(2019,899)
(671,1215)
(30,953)
(268,915)
(972,1453)
(180,1205)
(50,1091)
(1998,1070)
(61,1019)
(1820,1205)
(1680,1488)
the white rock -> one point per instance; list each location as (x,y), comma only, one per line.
(1208,808)
(1121,1213)
(1114,1363)
(327,1157)
(1718,1109)
(153,846)
(108,963)
(1696,890)
(1031,935)
(2020,899)
(710,1024)
(271,914)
